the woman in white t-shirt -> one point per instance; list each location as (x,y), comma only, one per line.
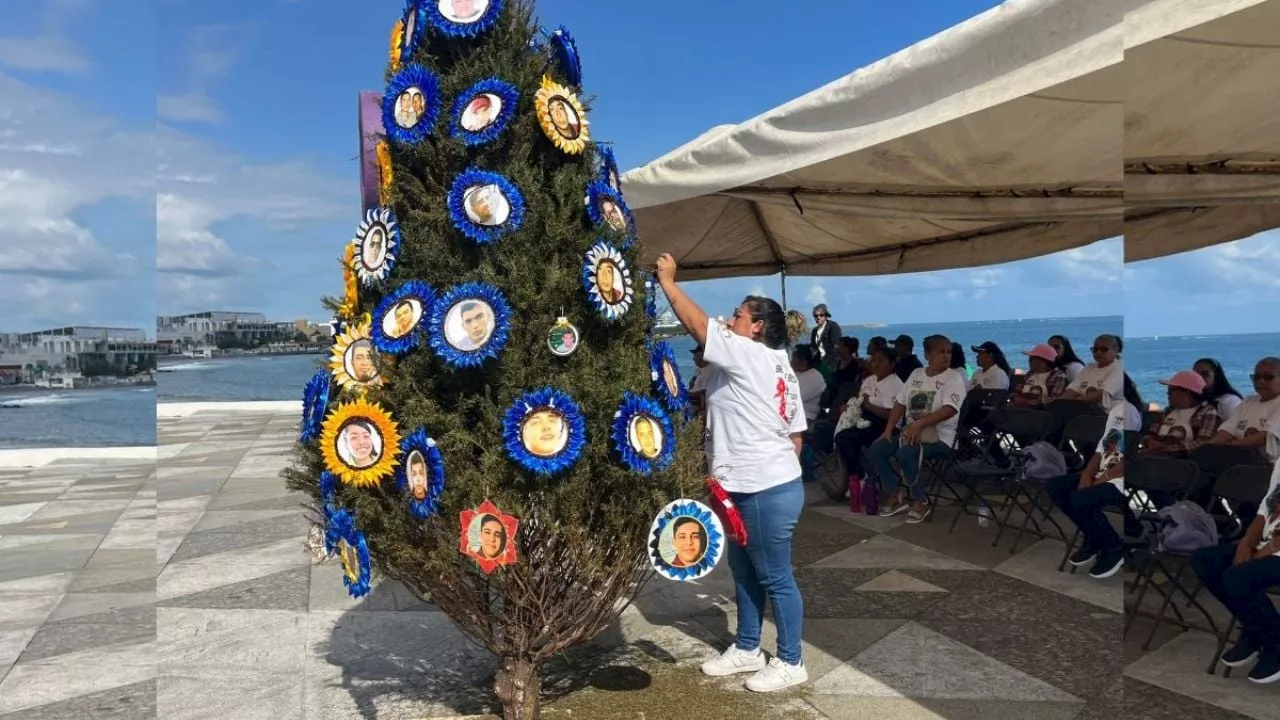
(875,401)
(1189,422)
(1084,497)
(1239,575)
(1248,425)
(756,424)
(993,369)
(1045,383)
(1101,381)
(930,400)
(1070,363)
(1217,387)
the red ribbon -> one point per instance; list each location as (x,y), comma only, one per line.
(727,512)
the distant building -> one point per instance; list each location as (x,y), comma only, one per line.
(215,328)
(76,349)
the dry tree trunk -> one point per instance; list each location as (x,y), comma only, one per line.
(519,686)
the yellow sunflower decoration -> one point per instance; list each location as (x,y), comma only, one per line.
(562,117)
(352,362)
(359,441)
(351,289)
(397,39)
(385,176)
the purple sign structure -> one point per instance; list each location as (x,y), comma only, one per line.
(371,133)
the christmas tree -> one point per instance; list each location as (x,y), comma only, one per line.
(497,428)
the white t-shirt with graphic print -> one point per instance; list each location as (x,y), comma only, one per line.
(1271,522)
(923,394)
(1122,417)
(883,393)
(1109,379)
(753,409)
(993,378)
(1252,416)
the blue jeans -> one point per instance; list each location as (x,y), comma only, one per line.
(882,451)
(763,568)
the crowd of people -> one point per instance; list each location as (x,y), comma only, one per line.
(888,412)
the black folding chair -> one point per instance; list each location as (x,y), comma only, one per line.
(1131,439)
(1160,476)
(1213,461)
(1238,485)
(1012,429)
(1151,418)
(1079,442)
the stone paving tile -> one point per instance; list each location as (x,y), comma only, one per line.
(126,625)
(128,702)
(240,537)
(288,590)
(832,593)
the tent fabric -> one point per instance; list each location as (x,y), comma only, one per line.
(1005,137)
(996,140)
(1202,124)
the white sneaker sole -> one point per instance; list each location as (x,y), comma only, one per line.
(1103,576)
(722,672)
(1081,563)
(802,679)
(1240,663)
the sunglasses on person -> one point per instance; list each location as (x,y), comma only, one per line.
(1100,350)
(819,316)
(1264,377)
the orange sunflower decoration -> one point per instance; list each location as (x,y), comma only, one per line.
(360,443)
(351,297)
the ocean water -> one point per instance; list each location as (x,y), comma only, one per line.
(126,416)
(115,417)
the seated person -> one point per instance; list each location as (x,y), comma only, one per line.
(1070,363)
(993,369)
(812,385)
(930,401)
(908,363)
(1188,422)
(1083,497)
(1217,386)
(1102,381)
(875,400)
(1045,383)
(958,361)
(698,388)
(1238,575)
(1248,425)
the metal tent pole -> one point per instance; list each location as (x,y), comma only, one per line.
(784,290)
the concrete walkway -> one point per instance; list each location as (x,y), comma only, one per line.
(183,589)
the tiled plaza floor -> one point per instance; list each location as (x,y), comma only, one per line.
(184,590)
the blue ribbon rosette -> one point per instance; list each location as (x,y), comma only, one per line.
(556,429)
(343,539)
(404,83)
(477,304)
(315,404)
(643,435)
(422,444)
(661,360)
(490,88)
(665,556)
(485,206)
(415,297)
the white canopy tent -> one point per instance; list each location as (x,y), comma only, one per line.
(996,140)
(1000,139)
(1202,124)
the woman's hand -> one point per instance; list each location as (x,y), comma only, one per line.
(910,436)
(666,268)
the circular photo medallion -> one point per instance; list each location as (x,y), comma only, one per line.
(358,362)
(360,444)
(607,280)
(544,433)
(563,338)
(686,541)
(488,536)
(373,249)
(486,205)
(607,210)
(411,106)
(562,117)
(669,377)
(376,244)
(353,360)
(665,374)
(415,469)
(403,318)
(645,436)
(469,325)
(462,12)
(481,113)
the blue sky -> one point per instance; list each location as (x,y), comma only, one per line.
(173,155)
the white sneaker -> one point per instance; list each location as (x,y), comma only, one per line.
(777,675)
(734,661)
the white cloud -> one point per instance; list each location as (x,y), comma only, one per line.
(817,294)
(43,53)
(213,52)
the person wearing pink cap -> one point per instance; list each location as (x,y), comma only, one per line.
(1189,422)
(1045,383)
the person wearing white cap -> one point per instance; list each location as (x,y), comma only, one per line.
(1189,422)
(1045,383)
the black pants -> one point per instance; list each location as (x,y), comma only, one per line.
(851,443)
(1085,508)
(1243,590)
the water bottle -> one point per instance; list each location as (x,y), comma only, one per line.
(984,516)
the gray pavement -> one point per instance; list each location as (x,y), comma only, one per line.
(183,589)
